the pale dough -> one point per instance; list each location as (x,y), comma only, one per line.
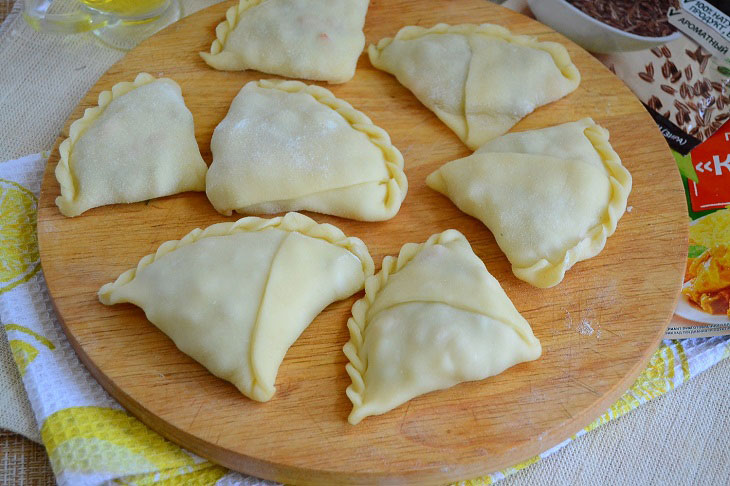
(288,146)
(480,80)
(137,144)
(551,197)
(310,39)
(431,318)
(236,296)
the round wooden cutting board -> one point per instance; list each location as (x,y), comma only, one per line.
(598,327)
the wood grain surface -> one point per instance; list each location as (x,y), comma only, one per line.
(598,327)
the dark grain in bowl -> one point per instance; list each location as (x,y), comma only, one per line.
(647,18)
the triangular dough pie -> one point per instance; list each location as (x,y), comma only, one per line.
(431,318)
(551,197)
(235,296)
(479,79)
(310,39)
(287,146)
(138,144)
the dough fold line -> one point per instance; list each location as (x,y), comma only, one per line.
(289,222)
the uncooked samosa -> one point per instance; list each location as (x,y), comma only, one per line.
(551,197)
(431,318)
(236,296)
(137,144)
(288,146)
(310,39)
(480,80)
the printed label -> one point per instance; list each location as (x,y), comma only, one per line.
(704,24)
(708,14)
(704,305)
(711,162)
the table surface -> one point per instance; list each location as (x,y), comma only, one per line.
(22,461)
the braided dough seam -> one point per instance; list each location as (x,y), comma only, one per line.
(357,324)
(292,222)
(397,183)
(591,245)
(233,15)
(64,172)
(557,51)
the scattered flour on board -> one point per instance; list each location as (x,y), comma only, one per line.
(629,209)
(585,328)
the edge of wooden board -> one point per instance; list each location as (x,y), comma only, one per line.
(268,470)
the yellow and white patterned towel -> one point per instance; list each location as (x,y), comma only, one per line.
(91,440)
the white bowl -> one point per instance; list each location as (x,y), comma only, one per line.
(591,34)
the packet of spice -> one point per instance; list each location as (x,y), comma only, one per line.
(685,84)
(704,305)
(684,87)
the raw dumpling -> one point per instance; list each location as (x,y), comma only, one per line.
(551,197)
(138,144)
(287,146)
(235,296)
(310,39)
(431,318)
(479,79)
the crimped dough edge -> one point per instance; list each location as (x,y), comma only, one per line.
(397,183)
(291,222)
(233,15)
(224,28)
(357,324)
(64,173)
(557,51)
(543,273)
